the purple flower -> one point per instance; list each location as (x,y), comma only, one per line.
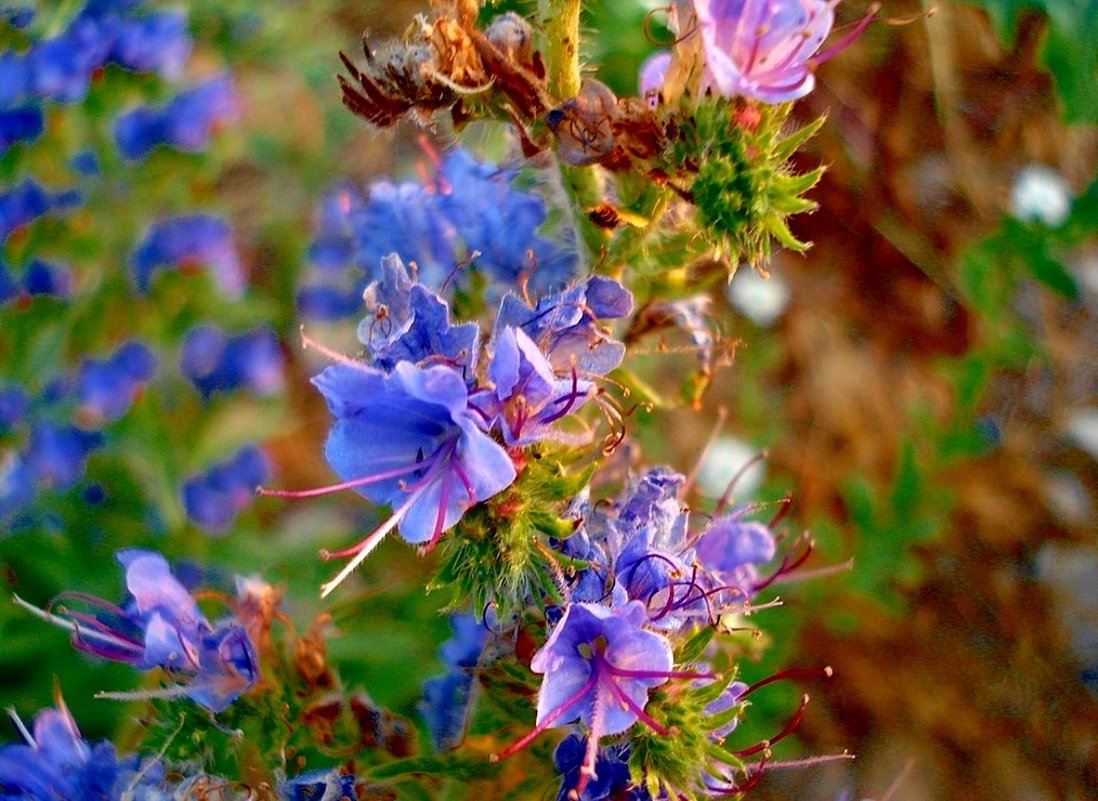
(764,48)
(598,665)
(160,625)
(652,73)
(566,328)
(23,124)
(527,397)
(408,322)
(186,123)
(216,497)
(56,764)
(407,439)
(731,548)
(216,363)
(186,242)
(106,389)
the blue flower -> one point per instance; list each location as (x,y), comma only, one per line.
(24,124)
(566,328)
(404,218)
(106,389)
(43,278)
(186,123)
(14,402)
(467,206)
(500,222)
(319,302)
(155,42)
(15,79)
(215,363)
(408,322)
(215,498)
(447,698)
(56,764)
(161,626)
(189,241)
(407,439)
(16,483)
(28,201)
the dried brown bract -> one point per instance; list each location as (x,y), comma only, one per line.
(444,62)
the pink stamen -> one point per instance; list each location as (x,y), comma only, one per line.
(345,485)
(469,491)
(631,705)
(847,40)
(550,719)
(788,729)
(591,755)
(440,517)
(785,675)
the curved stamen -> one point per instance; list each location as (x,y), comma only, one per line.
(788,565)
(847,40)
(108,638)
(785,675)
(793,723)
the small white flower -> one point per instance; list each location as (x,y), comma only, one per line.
(761,300)
(1040,194)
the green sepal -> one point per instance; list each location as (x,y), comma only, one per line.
(792,143)
(692,649)
(777,228)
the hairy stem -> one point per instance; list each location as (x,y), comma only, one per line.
(560,19)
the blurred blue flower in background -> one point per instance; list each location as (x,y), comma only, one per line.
(186,123)
(214,498)
(189,242)
(214,362)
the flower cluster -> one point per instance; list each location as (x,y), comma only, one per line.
(59,426)
(412,426)
(56,762)
(160,626)
(469,211)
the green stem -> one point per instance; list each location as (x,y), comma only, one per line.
(561,24)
